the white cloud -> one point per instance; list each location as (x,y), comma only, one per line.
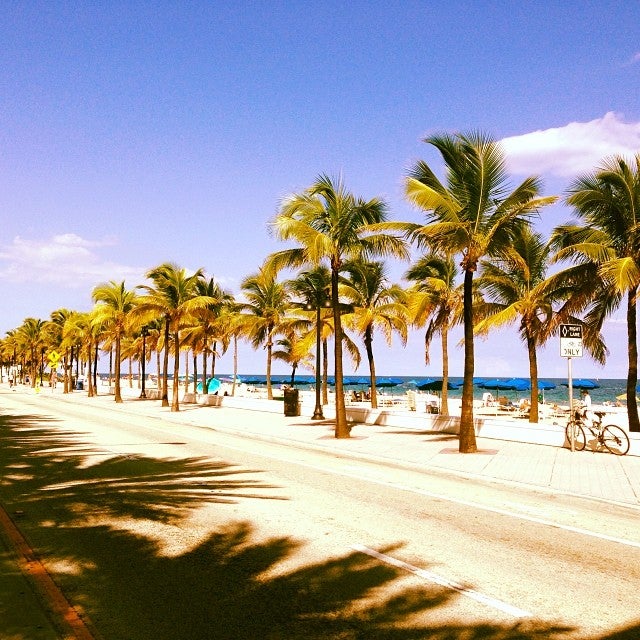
(65,260)
(578,147)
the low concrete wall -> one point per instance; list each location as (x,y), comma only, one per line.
(208,399)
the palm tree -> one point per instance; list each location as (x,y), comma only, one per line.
(436,301)
(54,329)
(264,310)
(114,303)
(312,289)
(473,215)
(173,295)
(605,245)
(30,336)
(205,328)
(331,225)
(375,305)
(517,289)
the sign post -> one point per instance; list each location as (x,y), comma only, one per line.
(571,347)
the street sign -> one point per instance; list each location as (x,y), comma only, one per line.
(571,340)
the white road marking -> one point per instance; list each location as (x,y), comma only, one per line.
(444,582)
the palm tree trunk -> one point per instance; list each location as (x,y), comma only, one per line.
(118,396)
(368,345)
(235,364)
(269,351)
(165,366)
(632,347)
(213,358)
(175,405)
(90,386)
(467,443)
(205,386)
(95,369)
(186,377)
(444,398)
(342,428)
(325,373)
(195,372)
(533,375)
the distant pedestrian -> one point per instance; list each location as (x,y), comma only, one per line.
(13,376)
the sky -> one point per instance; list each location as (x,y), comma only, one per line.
(135,133)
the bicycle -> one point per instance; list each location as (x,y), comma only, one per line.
(611,436)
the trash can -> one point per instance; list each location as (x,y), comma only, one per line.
(79,385)
(291,403)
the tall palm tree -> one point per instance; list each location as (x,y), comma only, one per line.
(435,301)
(265,307)
(606,245)
(173,295)
(516,289)
(376,304)
(330,225)
(114,303)
(474,215)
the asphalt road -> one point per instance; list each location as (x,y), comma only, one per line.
(165,531)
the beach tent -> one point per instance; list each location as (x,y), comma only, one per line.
(212,385)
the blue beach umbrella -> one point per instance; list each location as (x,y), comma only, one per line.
(491,383)
(356,380)
(388,382)
(435,384)
(582,383)
(545,385)
(516,384)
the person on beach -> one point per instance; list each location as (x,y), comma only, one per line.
(586,406)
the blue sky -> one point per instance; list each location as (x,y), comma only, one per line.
(133,133)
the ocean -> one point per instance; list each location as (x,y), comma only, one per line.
(606,391)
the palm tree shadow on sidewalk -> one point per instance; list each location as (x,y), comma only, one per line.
(231,585)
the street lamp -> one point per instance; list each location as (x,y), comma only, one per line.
(41,363)
(317,412)
(145,333)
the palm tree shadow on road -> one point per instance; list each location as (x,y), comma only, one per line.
(229,585)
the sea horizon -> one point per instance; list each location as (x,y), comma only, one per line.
(607,389)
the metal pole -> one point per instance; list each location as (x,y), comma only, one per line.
(571,416)
(317,412)
(143,393)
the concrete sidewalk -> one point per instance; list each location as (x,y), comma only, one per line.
(597,475)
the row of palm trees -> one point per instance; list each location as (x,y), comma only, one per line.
(474,223)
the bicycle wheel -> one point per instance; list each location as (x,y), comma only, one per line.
(574,429)
(615,439)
